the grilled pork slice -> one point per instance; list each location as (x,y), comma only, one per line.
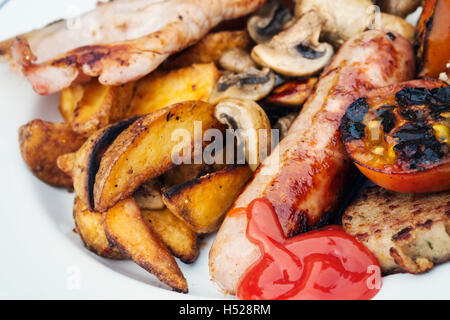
(305,183)
(119,41)
(406,232)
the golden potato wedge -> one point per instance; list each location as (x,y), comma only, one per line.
(148,196)
(161,89)
(202,202)
(89,226)
(85,162)
(66,162)
(100,106)
(127,230)
(210,48)
(174,233)
(69,100)
(41,143)
(185,172)
(148,148)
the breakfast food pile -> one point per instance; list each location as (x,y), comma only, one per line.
(314,94)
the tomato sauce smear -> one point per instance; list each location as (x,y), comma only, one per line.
(322,264)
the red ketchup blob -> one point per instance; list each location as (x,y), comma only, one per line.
(323,264)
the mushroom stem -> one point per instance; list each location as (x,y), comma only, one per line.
(251,125)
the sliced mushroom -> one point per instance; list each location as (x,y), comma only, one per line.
(343,18)
(237,60)
(297,50)
(346,18)
(253,84)
(252,127)
(284,123)
(268,21)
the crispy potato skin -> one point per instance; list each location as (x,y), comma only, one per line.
(144,150)
(202,202)
(126,229)
(174,233)
(406,232)
(210,48)
(41,143)
(101,105)
(164,88)
(87,160)
(89,226)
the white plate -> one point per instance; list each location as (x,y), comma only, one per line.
(40,255)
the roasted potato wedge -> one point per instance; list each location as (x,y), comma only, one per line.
(41,143)
(210,48)
(148,148)
(100,106)
(174,233)
(202,202)
(69,100)
(126,229)
(161,89)
(148,196)
(186,172)
(66,162)
(85,162)
(89,226)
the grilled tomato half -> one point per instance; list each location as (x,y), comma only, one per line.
(399,136)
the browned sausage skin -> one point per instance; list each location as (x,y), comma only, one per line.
(305,184)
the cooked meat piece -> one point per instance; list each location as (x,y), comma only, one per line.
(406,232)
(119,41)
(306,174)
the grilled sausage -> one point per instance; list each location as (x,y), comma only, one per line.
(305,184)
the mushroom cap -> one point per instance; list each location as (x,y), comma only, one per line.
(253,125)
(343,18)
(252,85)
(269,20)
(237,60)
(297,50)
(291,63)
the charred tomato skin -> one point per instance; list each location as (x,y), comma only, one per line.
(398,136)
